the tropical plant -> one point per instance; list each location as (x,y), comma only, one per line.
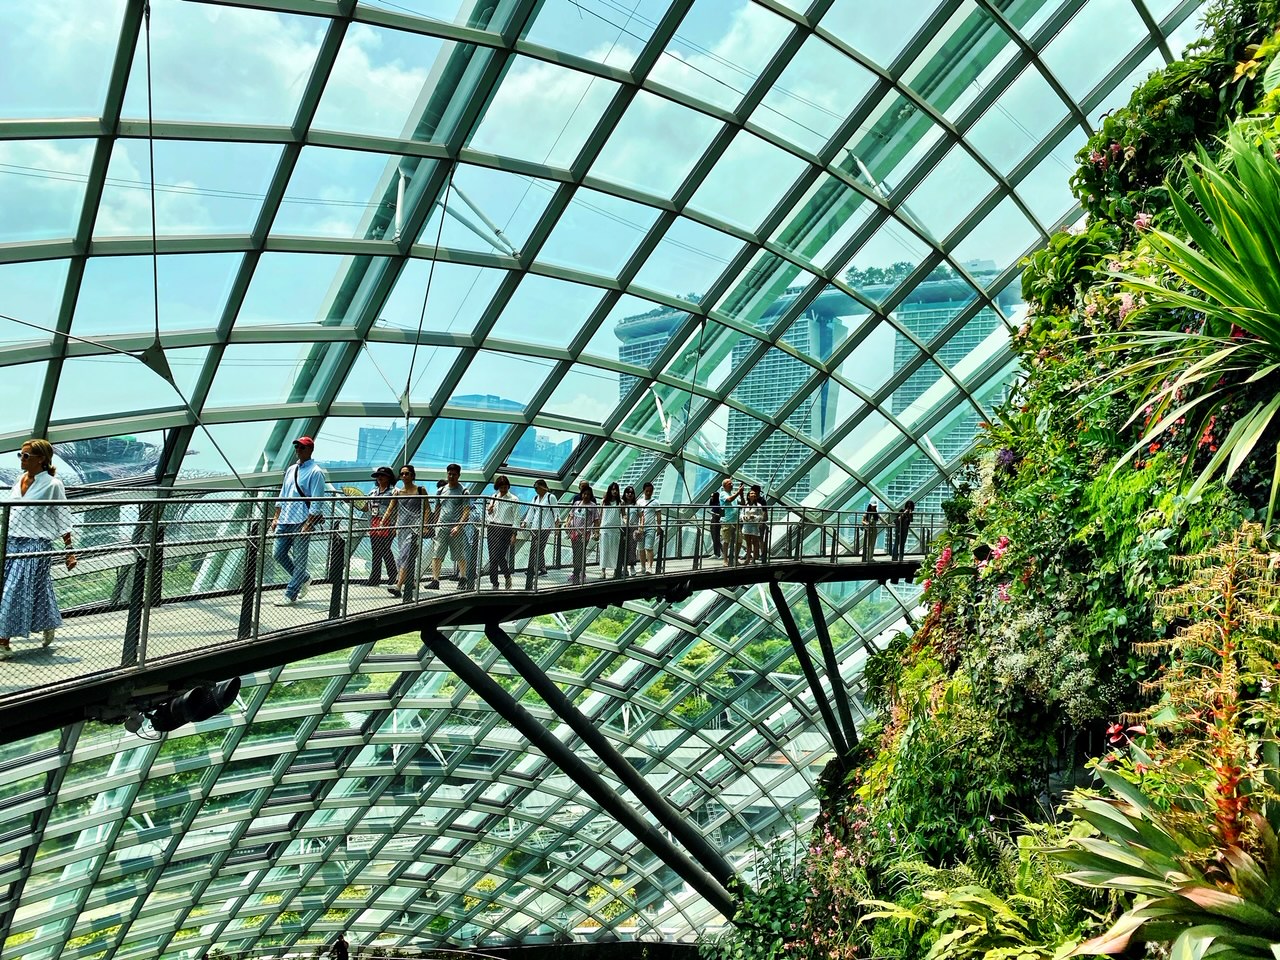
(1227,906)
(1207,322)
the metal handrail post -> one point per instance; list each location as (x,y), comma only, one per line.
(260,575)
(348,551)
(149,579)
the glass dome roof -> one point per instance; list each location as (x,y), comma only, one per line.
(601,239)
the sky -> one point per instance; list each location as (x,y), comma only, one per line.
(239,65)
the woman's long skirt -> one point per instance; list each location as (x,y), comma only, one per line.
(28,605)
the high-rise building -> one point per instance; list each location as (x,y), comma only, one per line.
(931,307)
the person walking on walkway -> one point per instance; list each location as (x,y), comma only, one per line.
(28,604)
(631,527)
(501,529)
(340,949)
(406,514)
(298,511)
(870,531)
(650,522)
(381,538)
(730,507)
(539,520)
(611,532)
(453,510)
(583,522)
(902,529)
(753,525)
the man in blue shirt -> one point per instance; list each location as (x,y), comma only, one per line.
(298,512)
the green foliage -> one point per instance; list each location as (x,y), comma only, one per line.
(1224,367)
(771,914)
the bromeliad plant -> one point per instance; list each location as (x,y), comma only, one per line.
(1207,325)
(1195,837)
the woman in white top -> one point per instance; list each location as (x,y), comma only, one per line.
(503,508)
(540,520)
(28,604)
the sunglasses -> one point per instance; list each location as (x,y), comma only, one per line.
(28,456)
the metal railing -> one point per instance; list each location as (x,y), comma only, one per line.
(183,571)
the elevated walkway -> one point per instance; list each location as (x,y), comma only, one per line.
(173,591)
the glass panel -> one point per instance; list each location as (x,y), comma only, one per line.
(593,29)
(350,443)
(687,260)
(747,181)
(202,188)
(250,64)
(824,220)
(269,373)
(519,377)
(377,82)
(304,288)
(949,193)
(542,113)
(1001,238)
(49,70)
(1018,121)
(80,394)
(340,193)
(111,459)
(597,233)
(814,95)
(1046,190)
(879,29)
(31,292)
(1096,39)
(588,394)
(719,50)
(546,311)
(629,158)
(884,261)
(456,300)
(116,293)
(382,370)
(480,199)
(42,185)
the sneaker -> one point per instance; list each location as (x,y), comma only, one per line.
(47,639)
(432,585)
(302,590)
(6,652)
(394,591)
(286,601)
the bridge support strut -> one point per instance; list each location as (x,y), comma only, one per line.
(578,771)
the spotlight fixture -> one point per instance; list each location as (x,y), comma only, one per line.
(191,706)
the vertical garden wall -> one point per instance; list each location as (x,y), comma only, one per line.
(1074,750)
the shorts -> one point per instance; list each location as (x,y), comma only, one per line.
(649,540)
(452,545)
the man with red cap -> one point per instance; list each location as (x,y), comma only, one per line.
(298,512)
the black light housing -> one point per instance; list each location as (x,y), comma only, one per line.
(199,703)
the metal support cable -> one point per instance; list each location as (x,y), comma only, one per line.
(678,824)
(578,771)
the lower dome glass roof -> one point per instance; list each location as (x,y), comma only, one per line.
(570,239)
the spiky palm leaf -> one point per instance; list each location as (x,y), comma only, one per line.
(1229,272)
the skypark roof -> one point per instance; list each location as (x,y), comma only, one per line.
(573,239)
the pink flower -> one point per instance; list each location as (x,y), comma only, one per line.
(928,582)
(1003,592)
(1090,309)
(1142,221)
(1097,157)
(943,560)
(1127,305)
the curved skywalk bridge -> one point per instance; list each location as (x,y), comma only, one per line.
(182,586)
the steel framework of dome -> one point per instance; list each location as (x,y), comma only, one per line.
(602,239)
